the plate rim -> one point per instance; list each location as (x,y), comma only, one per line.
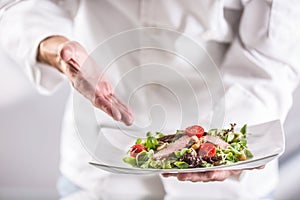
(199,169)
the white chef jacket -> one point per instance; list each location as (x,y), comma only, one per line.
(254,44)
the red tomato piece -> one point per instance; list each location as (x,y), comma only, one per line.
(194,130)
(137,148)
(207,149)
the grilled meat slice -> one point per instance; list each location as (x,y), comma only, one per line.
(216,140)
(181,142)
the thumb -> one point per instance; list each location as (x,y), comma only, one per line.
(67,53)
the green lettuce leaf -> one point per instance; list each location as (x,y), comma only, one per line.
(181,165)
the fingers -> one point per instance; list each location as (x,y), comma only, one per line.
(185,176)
(179,176)
(67,52)
(73,54)
(167,175)
(260,167)
(236,172)
(103,104)
(116,113)
(220,175)
(126,115)
(115,108)
(120,112)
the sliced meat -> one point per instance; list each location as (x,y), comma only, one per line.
(216,140)
(179,144)
(167,138)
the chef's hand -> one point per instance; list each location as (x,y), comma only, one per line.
(71,59)
(218,175)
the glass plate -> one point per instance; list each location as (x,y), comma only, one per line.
(265,141)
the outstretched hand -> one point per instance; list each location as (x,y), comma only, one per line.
(72,60)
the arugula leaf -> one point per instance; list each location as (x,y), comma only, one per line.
(244,129)
(231,157)
(206,164)
(181,165)
(229,137)
(141,158)
(166,164)
(177,154)
(139,141)
(235,150)
(149,134)
(144,158)
(159,134)
(248,153)
(151,143)
(179,131)
(130,160)
(213,132)
(182,152)
(155,164)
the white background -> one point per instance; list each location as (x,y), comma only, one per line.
(30,133)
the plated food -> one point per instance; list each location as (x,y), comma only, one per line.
(190,148)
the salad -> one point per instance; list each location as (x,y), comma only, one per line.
(190,148)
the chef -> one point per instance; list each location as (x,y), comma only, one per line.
(253,45)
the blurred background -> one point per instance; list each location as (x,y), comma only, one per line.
(30,133)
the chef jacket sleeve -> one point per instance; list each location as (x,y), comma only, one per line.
(23,25)
(262,66)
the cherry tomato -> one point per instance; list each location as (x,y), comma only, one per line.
(137,148)
(194,130)
(207,149)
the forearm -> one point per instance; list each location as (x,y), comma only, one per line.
(23,25)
